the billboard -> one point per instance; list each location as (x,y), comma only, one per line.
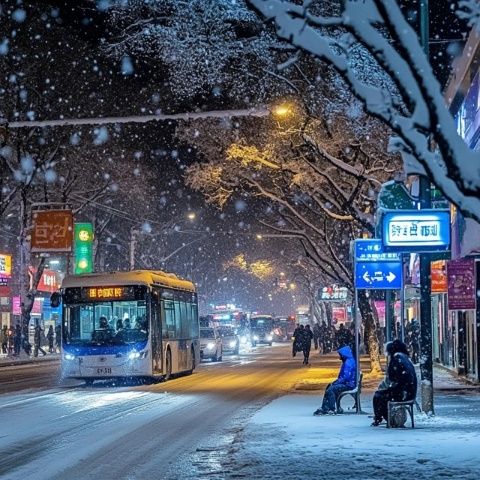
(439,276)
(5,265)
(461,284)
(52,231)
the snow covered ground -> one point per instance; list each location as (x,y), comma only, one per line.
(285,437)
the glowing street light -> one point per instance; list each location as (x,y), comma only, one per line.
(282,110)
(259,236)
(191,215)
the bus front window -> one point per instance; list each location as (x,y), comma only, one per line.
(106,323)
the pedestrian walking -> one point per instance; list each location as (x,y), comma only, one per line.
(50,336)
(400,383)
(10,340)
(17,340)
(316,336)
(346,381)
(37,338)
(25,343)
(58,336)
(306,343)
(296,340)
(4,339)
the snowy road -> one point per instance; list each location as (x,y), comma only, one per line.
(179,429)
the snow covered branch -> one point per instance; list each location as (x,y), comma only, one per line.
(379,27)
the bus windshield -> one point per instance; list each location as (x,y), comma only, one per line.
(106,323)
(261,323)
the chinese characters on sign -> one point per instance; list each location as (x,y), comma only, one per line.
(333,293)
(371,250)
(100,293)
(5,265)
(461,284)
(417,230)
(52,231)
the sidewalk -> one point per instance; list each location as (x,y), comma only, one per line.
(284,440)
(23,359)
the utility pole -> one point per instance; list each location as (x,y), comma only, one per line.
(426,362)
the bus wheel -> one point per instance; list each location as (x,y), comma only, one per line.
(88,382)
(168,365)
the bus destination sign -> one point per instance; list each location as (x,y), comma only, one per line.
(107,293)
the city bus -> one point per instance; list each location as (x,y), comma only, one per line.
(129,324)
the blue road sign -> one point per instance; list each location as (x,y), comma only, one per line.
(416,230)
(371,250)
(378,275)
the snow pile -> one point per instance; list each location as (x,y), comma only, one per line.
(345,446)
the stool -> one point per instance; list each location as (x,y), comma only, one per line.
(395,406)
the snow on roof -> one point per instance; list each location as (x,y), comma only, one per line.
(135,277)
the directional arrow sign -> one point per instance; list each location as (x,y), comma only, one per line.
(378,275)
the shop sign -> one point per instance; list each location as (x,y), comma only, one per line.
(52,231)
(339,315)
(5,265)
(439,276)
(416,230)
(332,293)
(36,309)
(461,284)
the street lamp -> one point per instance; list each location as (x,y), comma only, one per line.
(191,216)
(282,110)
(259,236)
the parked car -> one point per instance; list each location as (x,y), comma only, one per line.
(210,344)
(230,340)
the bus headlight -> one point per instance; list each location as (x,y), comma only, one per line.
(270,338)
(233,344)
(255,337)
(133,355)
(210,346)
(69,356)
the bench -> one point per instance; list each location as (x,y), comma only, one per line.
(355,393)
(407,407)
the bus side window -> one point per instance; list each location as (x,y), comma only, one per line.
(168,319)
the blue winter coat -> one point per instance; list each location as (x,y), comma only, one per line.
(348,371)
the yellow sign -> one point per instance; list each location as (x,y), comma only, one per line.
(105,292)
(5,265)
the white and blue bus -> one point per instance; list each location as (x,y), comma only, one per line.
(128,324)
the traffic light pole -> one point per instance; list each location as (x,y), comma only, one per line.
(426,362)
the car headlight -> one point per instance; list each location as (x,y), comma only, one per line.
(69,356)
(255,337)
(210,346)
(233,343)
(134,355)
(270,338)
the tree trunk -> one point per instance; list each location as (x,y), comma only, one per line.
(370,329)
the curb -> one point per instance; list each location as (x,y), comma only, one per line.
(14,363)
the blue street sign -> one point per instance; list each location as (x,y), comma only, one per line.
(378,275)
(416,230)
(371,250)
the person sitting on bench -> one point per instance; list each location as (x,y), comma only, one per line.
(400,383)
(346,381)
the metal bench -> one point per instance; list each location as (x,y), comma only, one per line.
(355,393)
(394,407)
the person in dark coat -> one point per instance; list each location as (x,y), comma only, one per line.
(50,336)
(17,340)
(307,335)
(400,383)
(37,339)
(297,341)
(316,336)
(347,379)
(58,336)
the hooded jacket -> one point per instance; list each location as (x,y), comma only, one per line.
(348,371)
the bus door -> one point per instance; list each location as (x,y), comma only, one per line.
(156,333)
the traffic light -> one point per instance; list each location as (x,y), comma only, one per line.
(83,248)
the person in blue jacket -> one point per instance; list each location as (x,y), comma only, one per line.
(347,379)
